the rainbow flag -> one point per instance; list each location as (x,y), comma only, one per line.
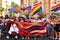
(36,8)
(29,29)
(55,8)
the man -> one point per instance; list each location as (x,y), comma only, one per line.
(12,27)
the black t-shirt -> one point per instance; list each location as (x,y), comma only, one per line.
(0,21)
(58,25)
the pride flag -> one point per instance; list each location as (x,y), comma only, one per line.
(29,29)
(36,8)
(55,8)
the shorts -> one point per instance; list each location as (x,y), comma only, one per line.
(57,29)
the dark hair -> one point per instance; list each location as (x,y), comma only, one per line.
(1,17)
(59,20)
(6,16)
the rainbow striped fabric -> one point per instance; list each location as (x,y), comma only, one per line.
(29,29)
(36,8)
(55,8)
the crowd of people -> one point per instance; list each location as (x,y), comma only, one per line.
(54,23)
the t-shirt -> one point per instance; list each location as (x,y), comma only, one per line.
(58,25)
(1,21)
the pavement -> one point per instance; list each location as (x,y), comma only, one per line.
(3,37)
(30,38)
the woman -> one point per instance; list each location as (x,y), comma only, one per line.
(58,30)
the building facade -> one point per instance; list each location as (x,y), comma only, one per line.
(0,2)
(46,4)
(54,2)
(0,7)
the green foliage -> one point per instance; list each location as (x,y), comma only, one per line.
(55,14)
(40,14)
(1,8)
(14,5)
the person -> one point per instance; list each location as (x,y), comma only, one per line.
(1,21)
(52,25)
(2,27)
(21,19)
(6,19)
(12,27)
(32,19)
(28,20)
(38,19)
(44,17)
(58,30)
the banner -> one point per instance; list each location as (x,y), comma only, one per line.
(28,29)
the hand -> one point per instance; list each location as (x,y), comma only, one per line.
(59,28)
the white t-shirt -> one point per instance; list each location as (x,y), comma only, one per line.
(38,20)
